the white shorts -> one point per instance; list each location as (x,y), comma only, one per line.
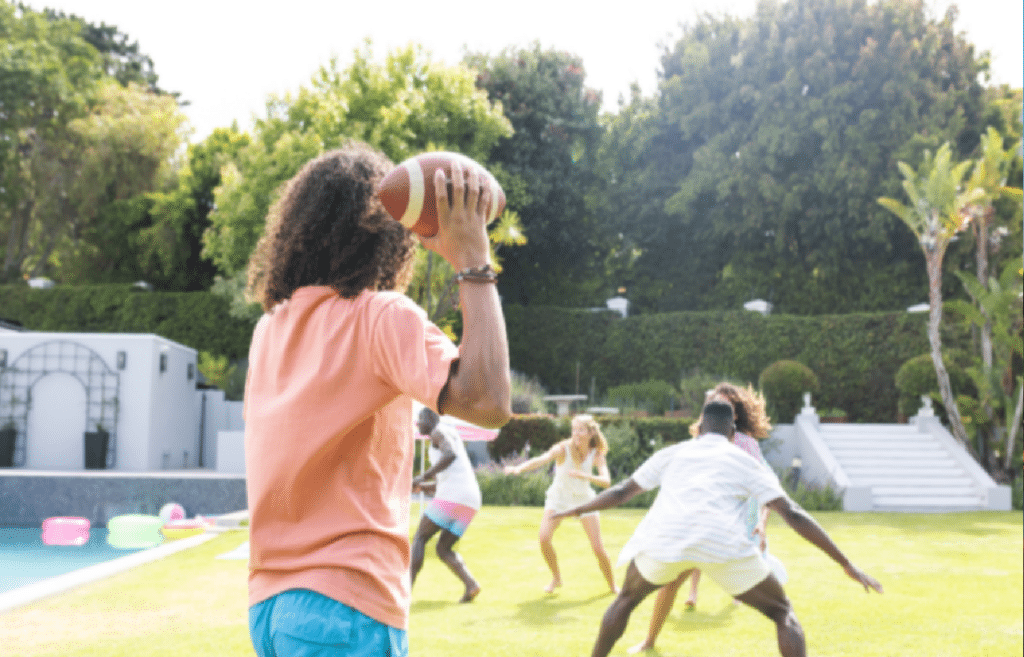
(558,500)
(735,577)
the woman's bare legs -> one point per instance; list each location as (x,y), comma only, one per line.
(662,605)
(592,526)
(548,525)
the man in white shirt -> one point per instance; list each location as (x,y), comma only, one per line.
(697,521)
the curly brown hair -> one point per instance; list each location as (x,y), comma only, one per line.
(749,406)
(329,228)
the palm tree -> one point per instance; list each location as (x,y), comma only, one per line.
(935,215)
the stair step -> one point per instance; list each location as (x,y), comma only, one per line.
(927,500)
(931,491)
(869,456)
(910,481)
(889,470)
(883,442)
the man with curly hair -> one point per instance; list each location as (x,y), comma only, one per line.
(334,366)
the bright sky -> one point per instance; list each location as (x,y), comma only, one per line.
(227,56)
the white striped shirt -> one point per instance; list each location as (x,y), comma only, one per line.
(700,511)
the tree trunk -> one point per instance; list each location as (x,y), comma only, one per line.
(934,261)
(1012,429)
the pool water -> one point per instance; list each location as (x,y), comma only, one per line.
(25,559)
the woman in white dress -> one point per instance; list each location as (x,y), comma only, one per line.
(575,459)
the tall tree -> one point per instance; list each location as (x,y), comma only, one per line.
(406,105)
(122,58)
(769,140)
(545,166)
(121,148)
(47,75)
(997,300)
(935,215)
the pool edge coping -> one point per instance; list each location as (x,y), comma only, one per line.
(29,593)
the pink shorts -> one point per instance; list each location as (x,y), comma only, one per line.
(452,516)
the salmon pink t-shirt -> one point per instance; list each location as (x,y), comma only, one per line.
(329,445)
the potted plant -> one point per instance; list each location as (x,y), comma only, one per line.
(96,443)
(833,415)
(8,436)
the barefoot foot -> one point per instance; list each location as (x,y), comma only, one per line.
(470,594)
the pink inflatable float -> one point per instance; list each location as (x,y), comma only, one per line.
(66,530)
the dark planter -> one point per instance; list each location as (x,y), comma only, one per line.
(96,449)
(7,437)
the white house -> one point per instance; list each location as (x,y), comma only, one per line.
(130,400)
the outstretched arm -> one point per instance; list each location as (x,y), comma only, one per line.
(620,493)
(537,461)
(803,524)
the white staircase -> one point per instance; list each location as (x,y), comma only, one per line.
(904,468)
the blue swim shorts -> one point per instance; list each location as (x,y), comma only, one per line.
(302,623)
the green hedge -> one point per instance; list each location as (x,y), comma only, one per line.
(855,356)
(196,319)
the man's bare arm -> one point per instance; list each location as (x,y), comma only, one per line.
(803,524)
(618,494)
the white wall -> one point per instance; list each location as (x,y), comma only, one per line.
(156,413)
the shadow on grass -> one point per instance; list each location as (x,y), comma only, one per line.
(698,621)
(432,605)
(541,611)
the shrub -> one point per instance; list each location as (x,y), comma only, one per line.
(527,394)
(692,391)
(811,497)
(539,431)
(783,383)
(654,396)
(916,378)
(664,430)
(500,489)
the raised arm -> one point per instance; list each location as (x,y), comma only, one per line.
(547,457)
(620,493)
(803,524)
(479,388)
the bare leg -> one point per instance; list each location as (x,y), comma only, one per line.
(424,532)
(548,525)
(662,605)
(455,563)
(769,598)
(634,589)
(592,526)
(691,601)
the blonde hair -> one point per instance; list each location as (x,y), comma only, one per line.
(749,407)
(597,439)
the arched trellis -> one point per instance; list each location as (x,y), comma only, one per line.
(101,383)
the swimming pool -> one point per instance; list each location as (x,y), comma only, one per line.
(25,559)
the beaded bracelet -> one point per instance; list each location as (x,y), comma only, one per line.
(482,274)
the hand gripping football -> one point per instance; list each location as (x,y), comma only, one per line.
(408,191)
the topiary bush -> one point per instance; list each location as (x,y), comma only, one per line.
(783,384)
(654,396)
(916,378)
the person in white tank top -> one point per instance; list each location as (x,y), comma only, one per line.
(456,500)
(575,461)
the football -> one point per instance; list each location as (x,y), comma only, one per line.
(408,191)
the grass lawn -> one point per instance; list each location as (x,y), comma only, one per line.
(953,587)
